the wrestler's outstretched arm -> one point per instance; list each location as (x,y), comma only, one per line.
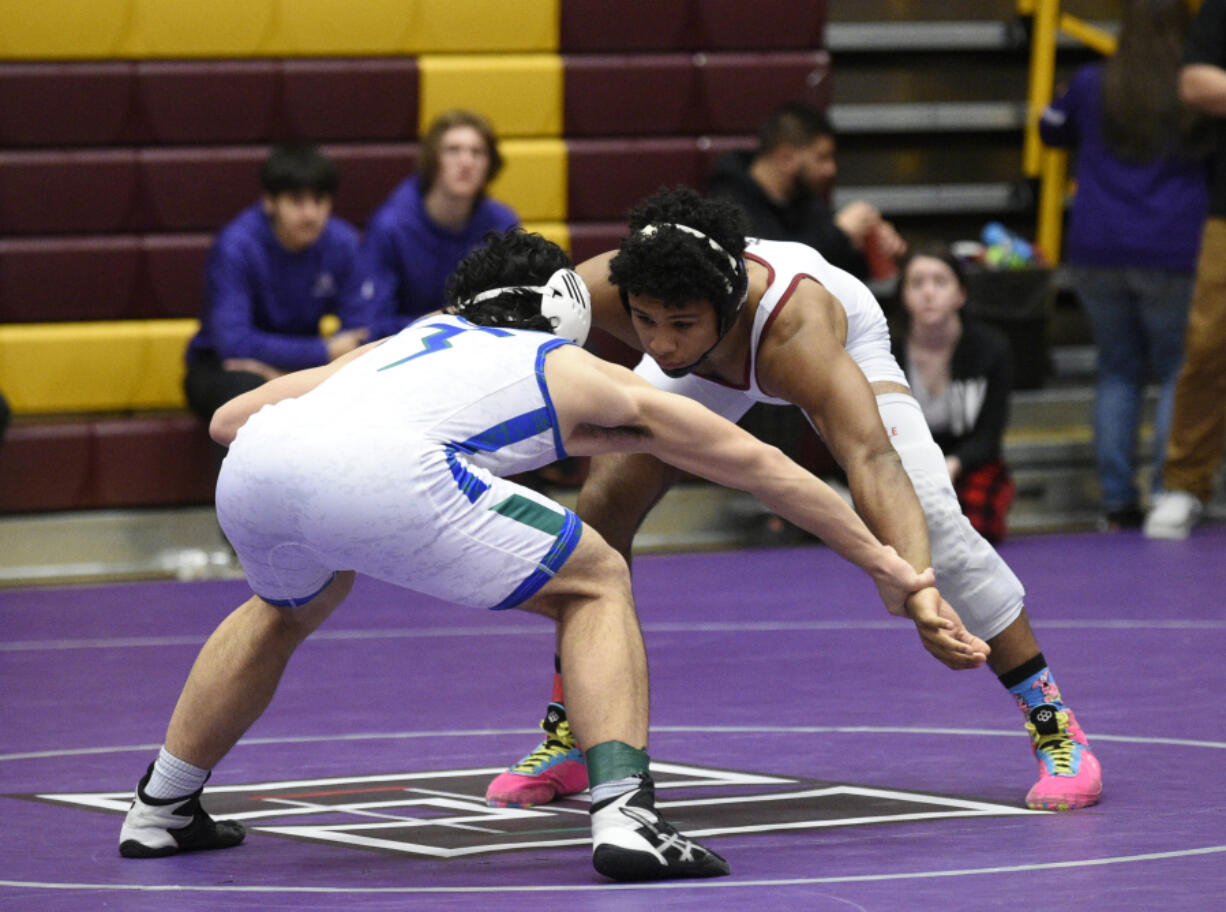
(605,408)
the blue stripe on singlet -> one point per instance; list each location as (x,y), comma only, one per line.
(551,563)
(302,600)
(521,427)
(469,484)
(541,352)
(509,432)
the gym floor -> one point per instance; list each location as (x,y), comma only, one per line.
(802,732)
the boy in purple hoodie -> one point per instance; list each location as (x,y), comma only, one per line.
(275,270)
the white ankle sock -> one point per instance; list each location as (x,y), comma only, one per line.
(614,787)
(174,778)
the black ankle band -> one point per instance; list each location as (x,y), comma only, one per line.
(1026,670)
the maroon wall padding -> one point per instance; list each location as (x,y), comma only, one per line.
(652,94)
(53,279)
(233,101)
(630,94)
(752,25)
(122,277)
(67,104)
(208,102)
(691,25)
(629,25)
(152,461)
(737,91)
(608,176)
(196,189)
(67,192)
(589,239)
(45,467)
(182,188)
(84,463)
(368,174)
(172,275)
(351,99)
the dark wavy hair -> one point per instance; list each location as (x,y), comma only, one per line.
(1143,117)
(515,257)
(674,266)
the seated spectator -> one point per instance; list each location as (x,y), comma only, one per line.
(428,224)
(784,187)
(272,274)
(961,372)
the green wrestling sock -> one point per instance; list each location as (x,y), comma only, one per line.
(613,768)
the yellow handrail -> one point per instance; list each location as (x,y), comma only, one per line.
(1050,166)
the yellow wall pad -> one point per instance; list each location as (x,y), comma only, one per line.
(485,25)
(94,367)
(141,29)
(533,179)
(521,94)
(57,29)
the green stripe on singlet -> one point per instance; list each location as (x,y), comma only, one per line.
(531,513)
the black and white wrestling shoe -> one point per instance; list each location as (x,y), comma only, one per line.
(156,827)
(631,841)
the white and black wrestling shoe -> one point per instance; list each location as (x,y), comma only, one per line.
(631,841)
(156,827)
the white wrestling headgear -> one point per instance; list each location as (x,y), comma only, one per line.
(564,300)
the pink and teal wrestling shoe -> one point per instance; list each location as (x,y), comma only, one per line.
(553,770)
(1069,774)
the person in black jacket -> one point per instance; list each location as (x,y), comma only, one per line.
(961,372)
(784,187)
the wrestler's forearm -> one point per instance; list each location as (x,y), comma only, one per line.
(887,503)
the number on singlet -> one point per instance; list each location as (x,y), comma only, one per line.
(441,340)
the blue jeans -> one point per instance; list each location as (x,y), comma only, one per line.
(1138,317)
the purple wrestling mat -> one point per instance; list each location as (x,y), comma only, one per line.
(799,728)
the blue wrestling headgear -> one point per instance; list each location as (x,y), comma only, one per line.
(564,300)
(728,307)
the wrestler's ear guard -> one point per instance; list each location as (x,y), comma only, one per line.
(568,305)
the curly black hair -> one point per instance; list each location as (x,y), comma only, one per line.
(515,257)
(675,266)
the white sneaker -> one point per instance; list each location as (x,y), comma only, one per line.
(1173,515)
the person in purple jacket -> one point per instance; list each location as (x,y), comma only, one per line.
(433,219)
(1134,232)
(273,272)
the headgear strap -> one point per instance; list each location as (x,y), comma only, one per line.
(564,300)
(650,231)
